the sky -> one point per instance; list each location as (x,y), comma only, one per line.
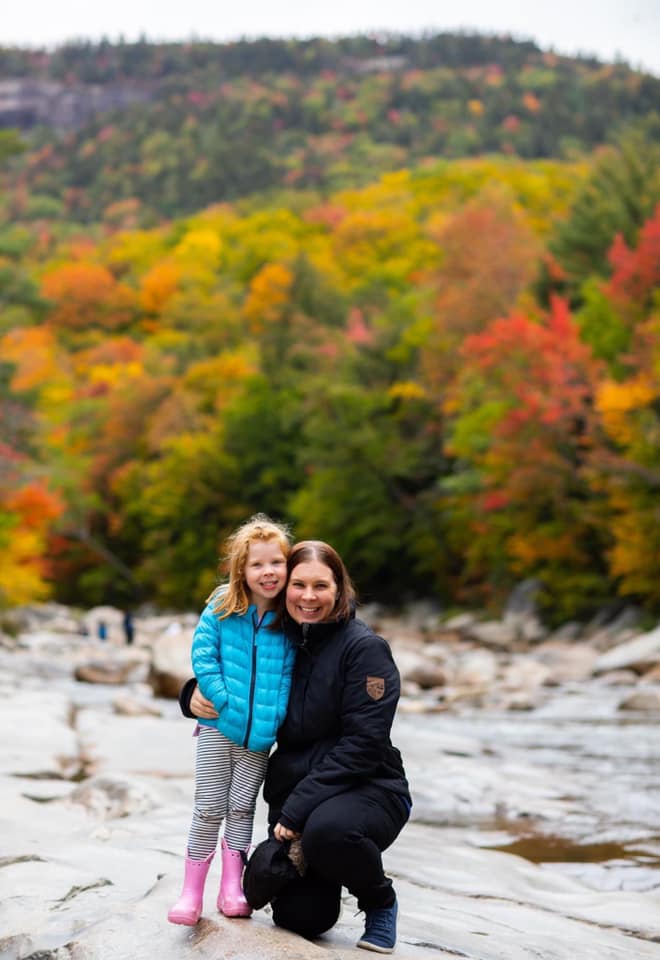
(608,29)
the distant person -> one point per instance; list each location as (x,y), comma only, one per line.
(102,630)
(335,780)
(129,629)
(243,664)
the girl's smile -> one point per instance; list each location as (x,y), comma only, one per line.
(265,572)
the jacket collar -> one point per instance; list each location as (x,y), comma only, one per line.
(266,618)
(309,636)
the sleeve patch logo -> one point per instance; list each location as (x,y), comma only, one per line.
(375,687)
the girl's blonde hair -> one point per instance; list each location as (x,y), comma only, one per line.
(233,597)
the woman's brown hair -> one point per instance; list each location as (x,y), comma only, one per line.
(322,552)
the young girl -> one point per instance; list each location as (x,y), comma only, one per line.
(244,667)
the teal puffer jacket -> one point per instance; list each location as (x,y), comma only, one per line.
(245,669)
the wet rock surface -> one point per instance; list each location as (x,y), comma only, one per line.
(535,831)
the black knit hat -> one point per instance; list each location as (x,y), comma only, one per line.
(268,870)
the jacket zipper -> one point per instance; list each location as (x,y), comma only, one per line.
(253,677)
(305,639)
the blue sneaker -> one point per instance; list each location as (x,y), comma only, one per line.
(380,930)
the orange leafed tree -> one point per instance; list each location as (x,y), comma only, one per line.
(86,295)
(489,255)
(33,351)
(268,296)
(159,285)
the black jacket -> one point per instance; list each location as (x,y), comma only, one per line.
(336,733)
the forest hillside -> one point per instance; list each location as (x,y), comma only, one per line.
(419,319)
(175,127)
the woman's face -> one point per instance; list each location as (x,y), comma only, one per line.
(311,592)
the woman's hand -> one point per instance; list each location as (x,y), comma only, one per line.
(284,833)
(201,707)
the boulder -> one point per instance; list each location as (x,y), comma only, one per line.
(475,668)
(427,676)
(127,706)
(524,674)
(108,671)
(494,634)
(639,654)
(105,623)
(652,675)
(520,612)
(646,699)
(619,678)
(170,661)
(566,662)
(521,602)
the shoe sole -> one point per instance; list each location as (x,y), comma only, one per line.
(372,946)
(228,911)
(182,920)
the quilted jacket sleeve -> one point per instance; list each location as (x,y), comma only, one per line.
(207,660)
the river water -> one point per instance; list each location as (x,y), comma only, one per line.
(573,784)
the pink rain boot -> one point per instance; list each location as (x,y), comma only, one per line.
(231,899)
(188,908)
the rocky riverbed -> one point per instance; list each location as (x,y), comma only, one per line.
(534,762)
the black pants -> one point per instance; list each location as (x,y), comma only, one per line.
(342,842)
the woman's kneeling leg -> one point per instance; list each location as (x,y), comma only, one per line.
(308,906)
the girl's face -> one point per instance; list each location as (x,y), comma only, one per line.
(265,572)
(311,593)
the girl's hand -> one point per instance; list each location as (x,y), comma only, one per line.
(201,707)
(284,833)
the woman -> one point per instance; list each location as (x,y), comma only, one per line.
(335,780)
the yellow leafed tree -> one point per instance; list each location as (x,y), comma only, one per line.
(25,517)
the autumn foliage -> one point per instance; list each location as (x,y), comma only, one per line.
(26,516)
(523,422)
(85,296)
(380,367)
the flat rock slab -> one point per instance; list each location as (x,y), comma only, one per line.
(88,869)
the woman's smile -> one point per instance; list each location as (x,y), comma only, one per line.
(311,594)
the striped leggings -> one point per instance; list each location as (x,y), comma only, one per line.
(227,781)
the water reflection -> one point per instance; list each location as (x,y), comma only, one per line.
(543,849)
